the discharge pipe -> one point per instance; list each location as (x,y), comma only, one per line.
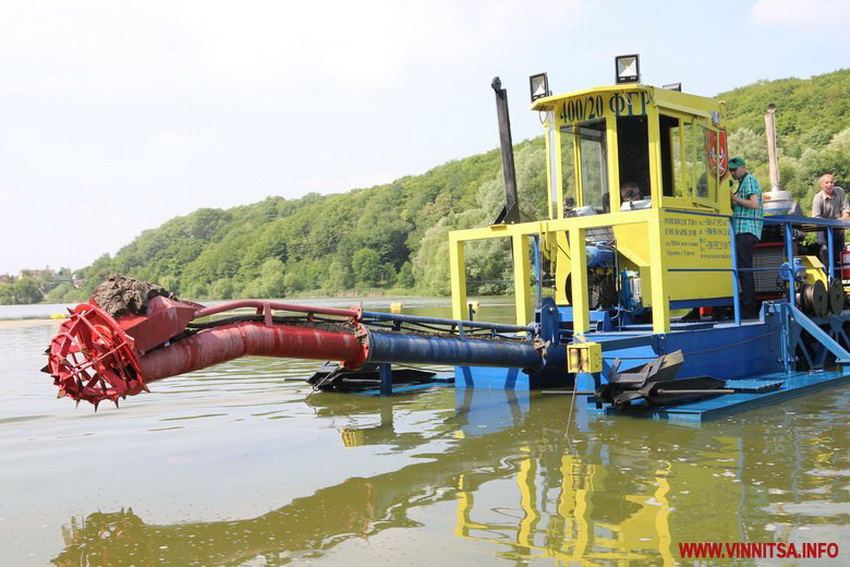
(96,356)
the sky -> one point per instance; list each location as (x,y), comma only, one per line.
(116,116)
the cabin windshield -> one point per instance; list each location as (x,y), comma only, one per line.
(587,143)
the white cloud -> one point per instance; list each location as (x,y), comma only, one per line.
(799,13)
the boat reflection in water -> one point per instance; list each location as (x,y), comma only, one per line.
(602,490)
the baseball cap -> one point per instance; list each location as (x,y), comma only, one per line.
(736,162)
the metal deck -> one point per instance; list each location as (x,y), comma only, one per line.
(793,385)
(749,356)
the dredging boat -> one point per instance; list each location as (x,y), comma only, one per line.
(639,229)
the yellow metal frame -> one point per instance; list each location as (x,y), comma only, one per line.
(652,240)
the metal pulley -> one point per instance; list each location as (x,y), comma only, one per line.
(813,299)
(836,296)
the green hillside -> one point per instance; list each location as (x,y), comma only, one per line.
(389,236)
(813,130)
(810,112)
(395,236)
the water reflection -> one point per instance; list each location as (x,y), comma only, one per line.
(240,465)
(523,487)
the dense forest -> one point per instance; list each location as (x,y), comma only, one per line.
(394,236)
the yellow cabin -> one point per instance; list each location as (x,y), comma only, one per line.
(638,206)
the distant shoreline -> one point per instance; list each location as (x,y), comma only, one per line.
(4,323)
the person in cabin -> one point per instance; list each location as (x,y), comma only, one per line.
(630,191)
(830,203)
(747,222)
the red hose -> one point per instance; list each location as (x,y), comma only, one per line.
(95,357)
(220,344)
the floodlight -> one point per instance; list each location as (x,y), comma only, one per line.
(539,86)
(628,68)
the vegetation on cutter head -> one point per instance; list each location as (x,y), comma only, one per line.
(395,236)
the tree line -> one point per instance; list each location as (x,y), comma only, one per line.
(393,238)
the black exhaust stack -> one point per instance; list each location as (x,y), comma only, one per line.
(510,213)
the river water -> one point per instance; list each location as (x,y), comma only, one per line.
(241,465)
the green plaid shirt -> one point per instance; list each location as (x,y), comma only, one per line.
(750,219)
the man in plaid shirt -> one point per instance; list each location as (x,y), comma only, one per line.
(747,212)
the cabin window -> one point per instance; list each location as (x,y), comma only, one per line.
(672,141)
(692,153)
(568,169)
(706,180)
(633,152)
(590,139)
